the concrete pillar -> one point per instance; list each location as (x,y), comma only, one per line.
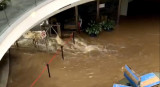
(76,16)
(124,7)
(98,2)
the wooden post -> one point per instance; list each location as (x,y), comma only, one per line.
(76,17)
(9,52)
(50,31)
(48,71)
(119,11)
(59,30)
(62,52)
(98,2)
(73,38)
(17,44)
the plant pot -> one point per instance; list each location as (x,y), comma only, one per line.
(93,35)
(3,6)
(109,29)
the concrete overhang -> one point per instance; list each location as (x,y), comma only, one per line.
(33,17)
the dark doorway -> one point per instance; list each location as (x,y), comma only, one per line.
(144,7)
(87,12)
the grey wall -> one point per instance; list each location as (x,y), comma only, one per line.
(124,7)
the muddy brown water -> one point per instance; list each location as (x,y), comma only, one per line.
(134,42)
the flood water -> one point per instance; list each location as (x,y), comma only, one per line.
(92,62)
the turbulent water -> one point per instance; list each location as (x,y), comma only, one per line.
(81,46)
(90,62)
(54,43)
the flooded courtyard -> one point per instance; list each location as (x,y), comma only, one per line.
(91,61)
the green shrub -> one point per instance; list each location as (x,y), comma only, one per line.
(107,25)
(94,28)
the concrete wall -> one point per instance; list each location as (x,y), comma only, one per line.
(124,7)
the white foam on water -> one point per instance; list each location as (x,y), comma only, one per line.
(81,46)
(59,41)
(52,44)
(25,42)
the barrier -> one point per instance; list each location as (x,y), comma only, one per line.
(47,66)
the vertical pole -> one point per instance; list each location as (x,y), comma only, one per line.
(73,38)
(98,2)
(9,52)
(62,52)
(59,30)
(50,30)
(6,16)
(76,18)
(48,71)
(46,42)
(119,11)
(46,39)
(17,44)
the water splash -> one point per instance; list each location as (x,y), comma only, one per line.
(59,40)
(81,46)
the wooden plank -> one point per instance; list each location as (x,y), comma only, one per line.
(72,27)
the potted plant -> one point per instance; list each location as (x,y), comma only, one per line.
(3,4)
(94,29)
(108,25)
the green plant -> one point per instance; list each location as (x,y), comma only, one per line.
(111,24)
(108,25)
(94,28)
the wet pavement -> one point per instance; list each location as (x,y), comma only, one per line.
(92,62)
